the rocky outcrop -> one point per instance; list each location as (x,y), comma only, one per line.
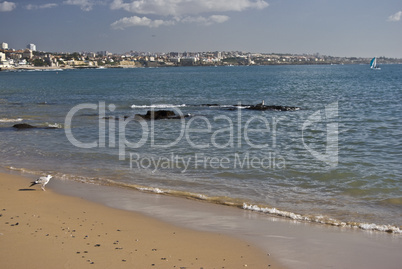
(23,126)
(159,115)
(150,115)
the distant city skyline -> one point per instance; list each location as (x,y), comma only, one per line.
(337,28)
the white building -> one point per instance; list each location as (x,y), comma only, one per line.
(4,46)
(3,61)
(23,62)
(31,47)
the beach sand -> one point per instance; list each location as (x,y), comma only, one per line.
(43,229)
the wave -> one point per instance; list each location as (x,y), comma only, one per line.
(10,120)
(324,220)
(185,105)
(158,106)
(55,69)
(226,106)
(44,70)
(221,200)
(54,125)
(222,106)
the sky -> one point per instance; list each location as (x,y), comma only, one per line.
(347,28)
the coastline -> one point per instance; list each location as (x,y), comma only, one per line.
(322,190)
(73,232)
(292,244)
(134,66)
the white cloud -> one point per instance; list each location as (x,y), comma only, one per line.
(7,6)
(396,17)
(206,20)
(138,21)
(85,5)
(144,21)
(186,7)
(180,11)
(32,7)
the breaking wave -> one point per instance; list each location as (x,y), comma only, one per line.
(324,220)
(54,125)
(10,120)
(158,106)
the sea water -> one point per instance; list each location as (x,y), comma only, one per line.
(336,160)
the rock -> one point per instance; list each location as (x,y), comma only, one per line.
(209,105)
(159,115)
(23,126)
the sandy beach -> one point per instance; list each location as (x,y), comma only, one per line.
(43,229)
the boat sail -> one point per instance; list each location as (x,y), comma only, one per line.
(373,64)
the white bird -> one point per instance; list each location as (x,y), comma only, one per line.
(42,180)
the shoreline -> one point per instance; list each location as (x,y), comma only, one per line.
(291,243)
(229,202)
(74,232)
(56,68)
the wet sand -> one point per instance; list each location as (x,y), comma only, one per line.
(295,244)
(44,229)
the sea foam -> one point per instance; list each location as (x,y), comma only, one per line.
(158,106)
(10,120)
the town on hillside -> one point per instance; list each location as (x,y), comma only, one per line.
(31,58)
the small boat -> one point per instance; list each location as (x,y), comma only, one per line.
(373,64)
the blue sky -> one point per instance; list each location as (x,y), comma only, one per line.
(361,28)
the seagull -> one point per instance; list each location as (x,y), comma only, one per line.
(42,180)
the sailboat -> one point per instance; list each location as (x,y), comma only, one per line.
(373,64)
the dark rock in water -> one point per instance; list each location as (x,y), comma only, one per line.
(23,126)
(159,115)
(209,105)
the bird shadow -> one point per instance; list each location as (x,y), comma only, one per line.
(26,190)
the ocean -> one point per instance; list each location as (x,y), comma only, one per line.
(335,160)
